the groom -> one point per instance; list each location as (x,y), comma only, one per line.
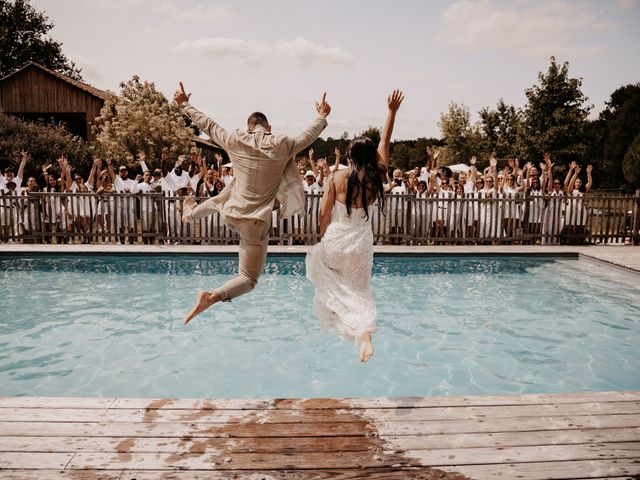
(265,177)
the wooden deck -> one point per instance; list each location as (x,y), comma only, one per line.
(585,435)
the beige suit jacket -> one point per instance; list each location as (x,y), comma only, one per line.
(264,170)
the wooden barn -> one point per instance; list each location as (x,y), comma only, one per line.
(36,93)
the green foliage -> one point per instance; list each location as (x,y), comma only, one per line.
(501,129)
(24,38)
(462,140)
(614,131)
(374,133)
(631,163)
(44,142)
(556,116)
(140,119)
(408,154)
(405,154)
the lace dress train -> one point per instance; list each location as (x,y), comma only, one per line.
(340,268)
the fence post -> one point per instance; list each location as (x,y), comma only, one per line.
(635,229)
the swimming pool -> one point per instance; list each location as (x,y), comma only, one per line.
(111,326)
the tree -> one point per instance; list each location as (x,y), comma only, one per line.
(400,155)
(556,116)
(44,142)
(24,38)
(500,129)
(613,132)
(373,133)
(141,119)
(631,163)
(462,140)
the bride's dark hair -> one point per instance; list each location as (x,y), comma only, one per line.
(363,155)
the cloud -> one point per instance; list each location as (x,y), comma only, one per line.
(234,50)
(307,52)
(526,27)
(174,9)
(237,51)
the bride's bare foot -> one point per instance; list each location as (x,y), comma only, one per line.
(366,348)
(203,301)
(187,207)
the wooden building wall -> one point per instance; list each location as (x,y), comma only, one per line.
(34,91)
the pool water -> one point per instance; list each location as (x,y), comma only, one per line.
(112,326)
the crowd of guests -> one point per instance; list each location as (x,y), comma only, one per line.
(477,204)
(96,202)
(458,201)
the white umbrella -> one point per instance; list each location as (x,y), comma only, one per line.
(459,167)
(340,167)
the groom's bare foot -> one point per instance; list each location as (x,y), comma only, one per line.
(366,348)
(203,301)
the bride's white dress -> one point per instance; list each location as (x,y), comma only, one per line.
(340,268)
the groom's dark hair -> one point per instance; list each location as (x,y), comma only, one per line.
(257,118)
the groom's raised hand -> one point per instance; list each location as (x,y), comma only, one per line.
(322,107)
(181,96)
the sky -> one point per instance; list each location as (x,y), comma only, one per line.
(278,57)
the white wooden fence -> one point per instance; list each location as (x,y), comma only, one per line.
(406,220)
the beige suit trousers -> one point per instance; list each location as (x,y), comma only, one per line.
(254,239)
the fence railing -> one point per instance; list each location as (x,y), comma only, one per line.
(404,219)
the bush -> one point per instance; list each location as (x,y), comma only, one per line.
(44,142)
(631,163)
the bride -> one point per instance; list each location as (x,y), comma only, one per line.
(340,265)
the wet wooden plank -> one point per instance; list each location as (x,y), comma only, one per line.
(378,402)
(509,439)
(208,415)
(315,460)
(400,473)
(524,454)
(585,469)
(56,402)
(34,460)
(316,429)
(173,430)
(317,403)
(315,444)
(184,444)
(60,474)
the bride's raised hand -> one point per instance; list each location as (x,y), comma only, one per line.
(394,100)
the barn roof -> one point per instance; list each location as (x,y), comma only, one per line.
(75,83)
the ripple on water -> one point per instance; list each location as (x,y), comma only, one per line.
(112,326)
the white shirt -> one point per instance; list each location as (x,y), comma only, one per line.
(181,181)
(227,179)
(168,183)
(400,190)
(74,187)
(313,188)
(467,186)
(121,185)
(143,187)
(3,183)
